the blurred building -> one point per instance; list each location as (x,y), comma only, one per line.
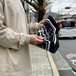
(55,16)
(68,16)
(33,17)
(27,9)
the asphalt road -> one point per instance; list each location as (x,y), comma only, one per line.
(65,54)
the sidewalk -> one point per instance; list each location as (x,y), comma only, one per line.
(42,62)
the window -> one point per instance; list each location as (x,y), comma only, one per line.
(67,23)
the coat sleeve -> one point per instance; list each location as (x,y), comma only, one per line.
(9,38)
(34,27)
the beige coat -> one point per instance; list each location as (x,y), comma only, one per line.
(14,39)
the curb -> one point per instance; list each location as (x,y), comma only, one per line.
(54,69)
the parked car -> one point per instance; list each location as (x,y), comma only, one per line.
(67,28)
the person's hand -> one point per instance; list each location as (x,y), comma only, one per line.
(34,39)
(42,21)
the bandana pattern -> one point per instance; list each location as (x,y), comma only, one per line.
(49,32)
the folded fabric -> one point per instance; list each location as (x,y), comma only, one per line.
(49,32)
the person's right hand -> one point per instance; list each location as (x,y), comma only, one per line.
(34,39)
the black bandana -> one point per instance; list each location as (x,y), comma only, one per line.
(49,32)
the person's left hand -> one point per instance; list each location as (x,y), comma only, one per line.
(42,21)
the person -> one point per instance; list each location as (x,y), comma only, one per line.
(14,39)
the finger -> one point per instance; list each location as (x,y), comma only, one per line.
(45,20)
(39,37)
(39,41)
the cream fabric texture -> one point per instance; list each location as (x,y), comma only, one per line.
(14,39)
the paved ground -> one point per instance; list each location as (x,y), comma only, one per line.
(40,62)
(62,64)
